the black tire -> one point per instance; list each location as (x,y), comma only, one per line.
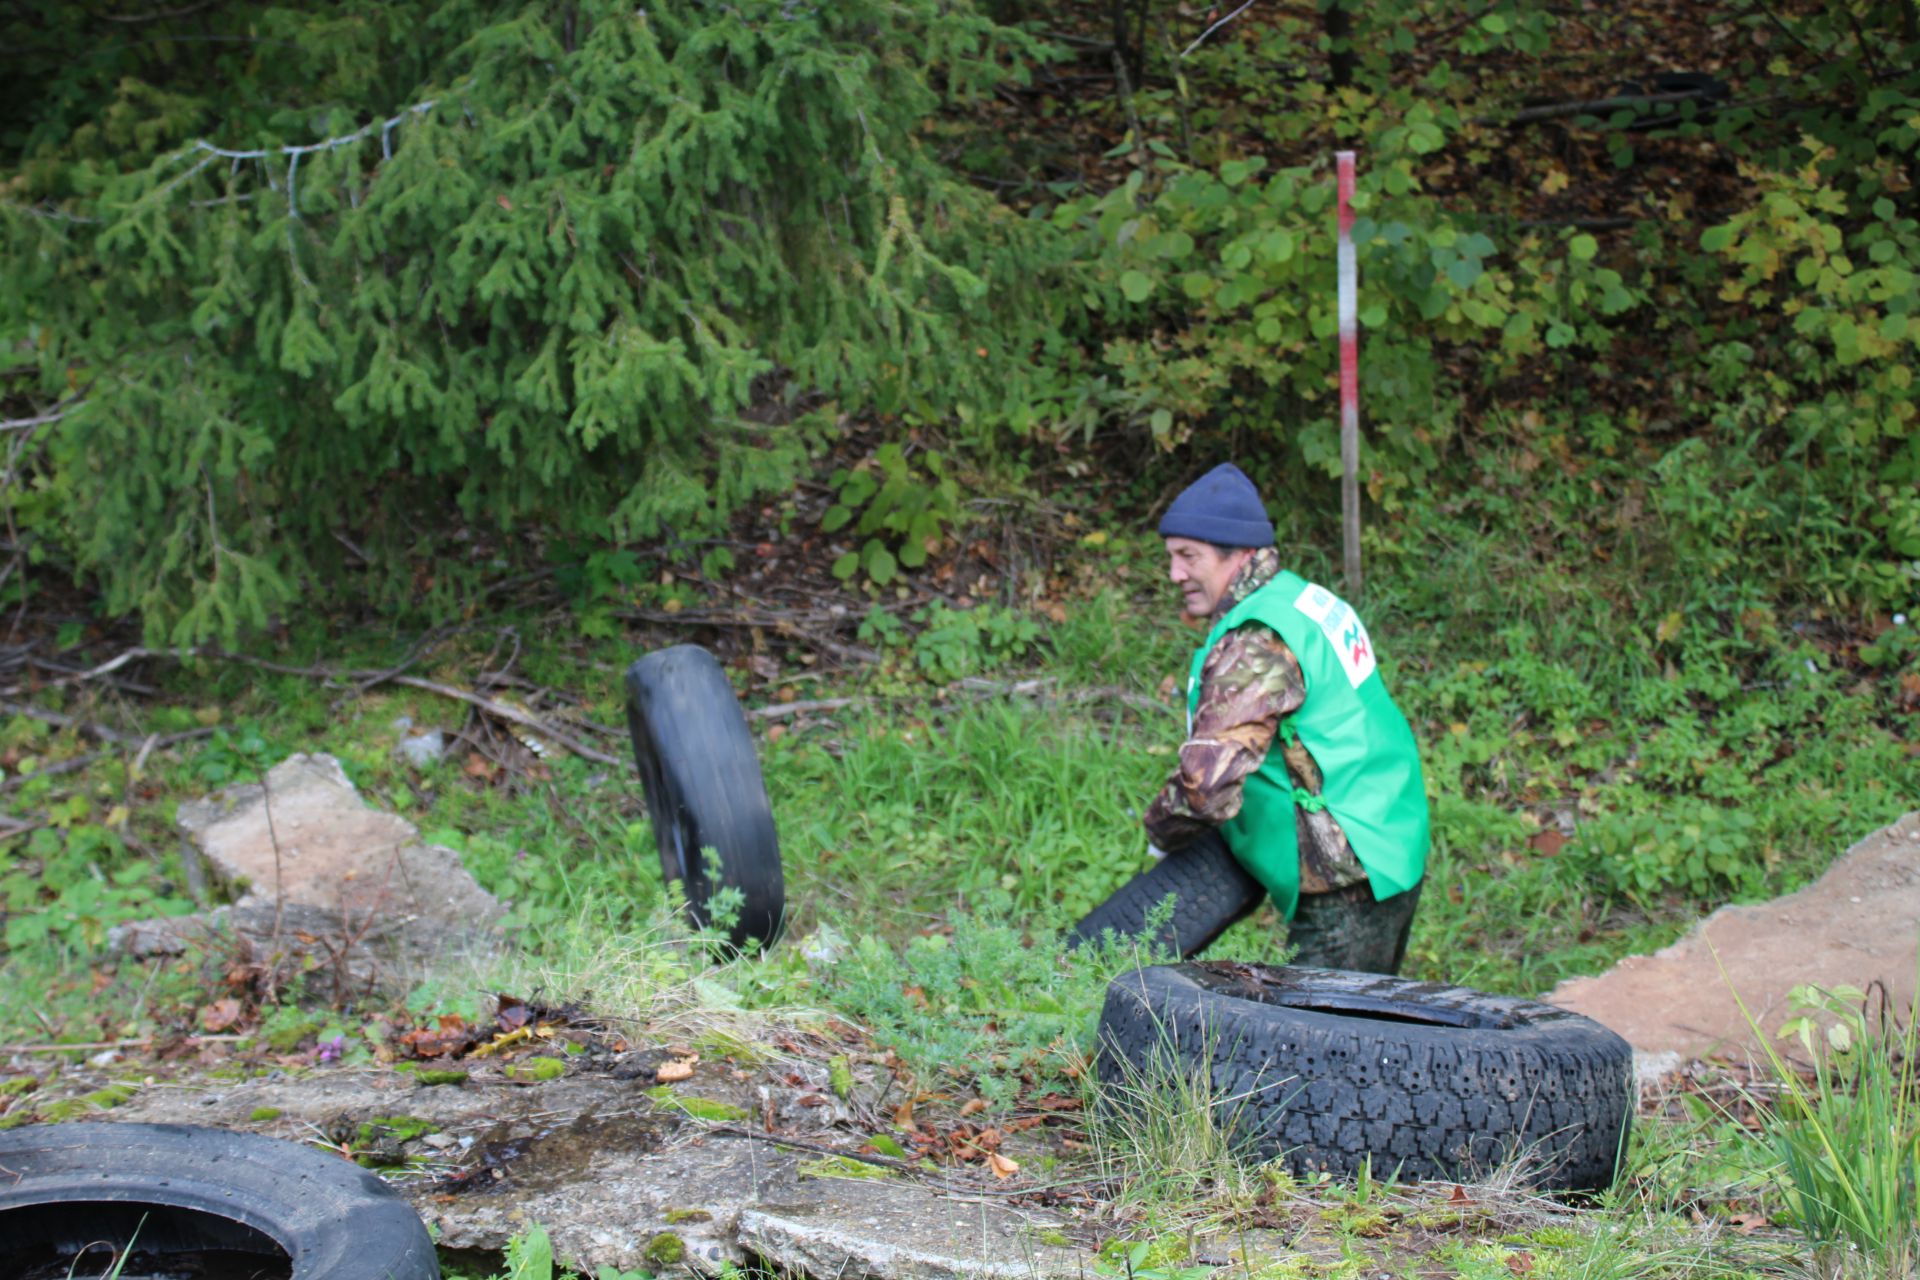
(1211,891)
(704,790)
(1325,1068)
(181,1189)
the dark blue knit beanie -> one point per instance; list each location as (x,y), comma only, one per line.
(1221,507)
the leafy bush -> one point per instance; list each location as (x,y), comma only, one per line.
(901,505)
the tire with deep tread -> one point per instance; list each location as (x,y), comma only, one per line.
(1211,891)
(704,788)
(172,1188)
(1325,1068)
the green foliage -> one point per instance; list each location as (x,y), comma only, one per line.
(989,1003)
(505,263)
(1849,1138)
(954,643)
(901,513)
(530,1255)
(1216,278)
(69,884)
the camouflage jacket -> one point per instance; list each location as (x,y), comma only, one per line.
(1250,682)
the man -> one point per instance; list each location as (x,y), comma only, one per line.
(1295,755)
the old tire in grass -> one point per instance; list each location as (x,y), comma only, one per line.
(1326,1068)
(704,790)
(1211,891)
(184,1196)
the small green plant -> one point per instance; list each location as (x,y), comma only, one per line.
(989,1001)
(842,1167)
(900,512)
(1148,1260)
(955,643)
(1849,1137)
(665,1250)
(530,1255)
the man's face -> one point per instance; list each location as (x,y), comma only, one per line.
(1202,572)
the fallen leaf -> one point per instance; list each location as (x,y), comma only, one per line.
(676,1070)
(1057,1102)
(973,1106)
(504,203)
(1520,1263)
(221,1014)
(1669,627)
(903,1117)
(916,994)
(1548,843)
(811,1100)
(1002,1167)
(1748,1223)
(1459,1195)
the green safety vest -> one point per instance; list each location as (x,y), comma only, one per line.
(1369,764)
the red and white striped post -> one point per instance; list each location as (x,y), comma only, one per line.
(1349,377)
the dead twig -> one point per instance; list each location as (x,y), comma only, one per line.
(781,710)
(516,716)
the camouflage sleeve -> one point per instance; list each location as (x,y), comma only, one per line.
(1249,681)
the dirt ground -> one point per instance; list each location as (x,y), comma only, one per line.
(1855,926)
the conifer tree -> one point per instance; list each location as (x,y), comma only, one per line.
(307,287)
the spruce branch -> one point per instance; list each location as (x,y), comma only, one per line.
(308,148)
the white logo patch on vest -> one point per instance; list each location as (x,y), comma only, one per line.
(1343,630)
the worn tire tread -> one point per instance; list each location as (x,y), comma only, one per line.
(1211,891)
(1326,1091)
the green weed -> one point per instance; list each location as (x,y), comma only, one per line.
(1849,1138)
(1165,1135)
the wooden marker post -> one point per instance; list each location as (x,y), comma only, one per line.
(1349,377)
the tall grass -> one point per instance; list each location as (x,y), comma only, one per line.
(1847,1134)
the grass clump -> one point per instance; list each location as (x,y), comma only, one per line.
(1164,1134)
(1848,1135)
